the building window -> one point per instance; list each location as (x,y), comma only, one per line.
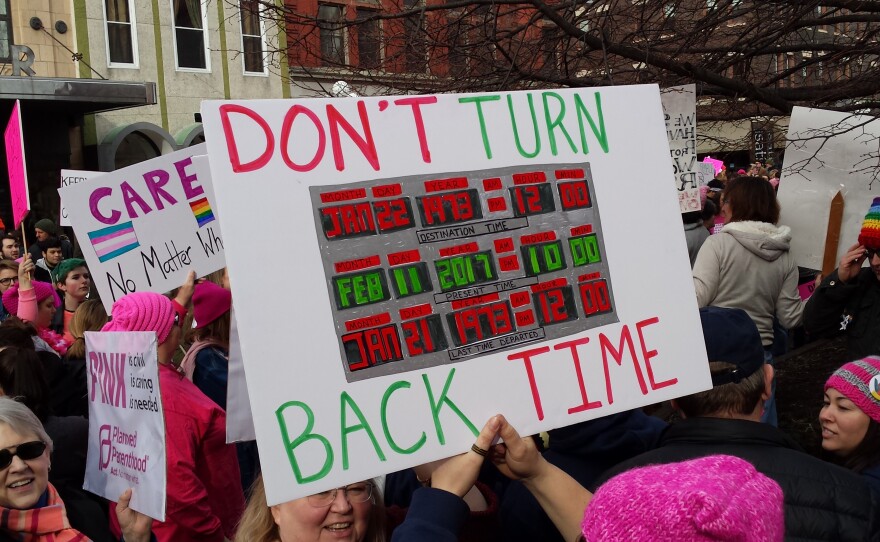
(416,50)
(368,39)
(190,38)
(5,32)
(330,19)
(121,33)
(252,37)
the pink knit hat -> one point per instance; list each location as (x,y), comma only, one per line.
(209,303)
(717,497)
(142,311)
(859,381)
(41,289)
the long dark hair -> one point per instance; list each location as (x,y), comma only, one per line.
(867,453)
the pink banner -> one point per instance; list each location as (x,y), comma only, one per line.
(15,163)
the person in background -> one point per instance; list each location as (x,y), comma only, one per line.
(47,265)
(89,316)
(33,511)
(748,265)
(10,248)
(848,300)
(695,233)
(206,363)
(36,302)
(850,418)
(73,280)
(204,495)
(8,277)
(709,215)
(43,230)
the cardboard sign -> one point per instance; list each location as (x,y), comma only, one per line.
(239,420)
(69,177)
(17,167)
(705,173)
(680,112)
(826,153)
(448,258)
(145,226)
(126,424)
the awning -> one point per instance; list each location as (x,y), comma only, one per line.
(74,96)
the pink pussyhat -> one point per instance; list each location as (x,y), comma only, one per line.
(142,311)
(41,289)
(712,498)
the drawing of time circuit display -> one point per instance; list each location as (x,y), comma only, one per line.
(425,271)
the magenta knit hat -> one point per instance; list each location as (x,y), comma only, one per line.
(142,311)
(41,289)
(209,303)
(718,497)
(859,381)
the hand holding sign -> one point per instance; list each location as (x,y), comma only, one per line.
(459,474)
(135,526)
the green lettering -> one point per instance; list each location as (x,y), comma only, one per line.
(305,436)
(479,101)
(360,290)
(516,131)
(406,451)
(344,400)
(374,287)
(557,122)
(437,405)
(414,279)
(578,252)
(343,286)
(599,132)
(399,278)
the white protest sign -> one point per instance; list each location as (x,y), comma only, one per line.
(126,424)
(705,173)
(448,258)
(145,226)
(69,177)
(827,152)
(680,111)
(239,420)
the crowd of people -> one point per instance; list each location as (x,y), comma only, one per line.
(722,471)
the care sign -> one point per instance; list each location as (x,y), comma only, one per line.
(69,177)
(143,227)
(452,257)
(827,152)
(126,424)
(16,166)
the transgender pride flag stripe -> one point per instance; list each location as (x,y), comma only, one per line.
(113,241)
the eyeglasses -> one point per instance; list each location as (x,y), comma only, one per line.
(8,281)
(355,493)
(871,252)
(25,452)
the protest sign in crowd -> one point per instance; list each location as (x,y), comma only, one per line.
(446,282)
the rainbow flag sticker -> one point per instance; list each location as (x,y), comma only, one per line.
(114,241)
(202,211)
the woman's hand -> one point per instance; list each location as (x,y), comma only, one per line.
(517,458)
(135,526)
(185,292)
(851,263)
(25,272)
(458,474)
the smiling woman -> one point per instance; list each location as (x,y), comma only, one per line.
(850,418)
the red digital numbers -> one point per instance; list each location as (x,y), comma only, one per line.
(555,306)
(345,221)
(532,199)
(574,195)
(393,214)
(449,208)
(595,297)
(480,323)
(424,335)
(371,347)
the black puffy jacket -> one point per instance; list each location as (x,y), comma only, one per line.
(822,501)
(858,301)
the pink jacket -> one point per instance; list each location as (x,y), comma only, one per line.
(204,495)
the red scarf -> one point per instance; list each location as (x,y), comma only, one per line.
(46,524)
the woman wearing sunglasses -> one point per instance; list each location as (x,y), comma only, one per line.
(848,300)
(30,507)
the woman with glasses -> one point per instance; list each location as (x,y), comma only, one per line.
(748,265)
(8,277)
(30,507)
(355,513)
(36,302)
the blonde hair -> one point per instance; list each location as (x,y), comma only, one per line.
(89,316)
(258,525)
